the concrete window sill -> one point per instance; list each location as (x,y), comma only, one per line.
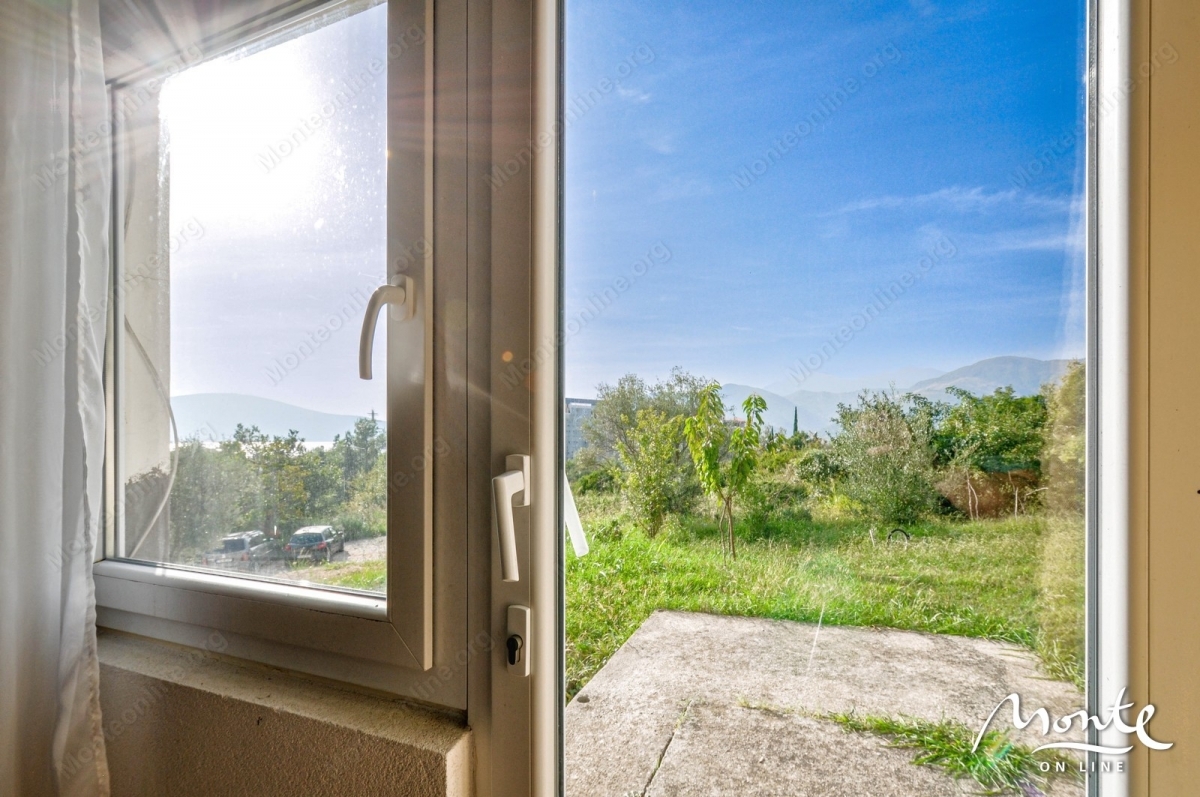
(184,722)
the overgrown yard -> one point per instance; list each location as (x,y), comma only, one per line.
(1017,579)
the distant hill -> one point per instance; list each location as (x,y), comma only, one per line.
(216,415)
(779,409)
(817,408)
(820,382)
(1025,374)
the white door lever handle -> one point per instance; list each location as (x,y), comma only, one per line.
(399,292)
(513,484)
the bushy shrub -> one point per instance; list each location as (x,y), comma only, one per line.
(818,468)
(590,473)
(355,528)
(650,460)
(1063,457)
(883,447)
(773,503)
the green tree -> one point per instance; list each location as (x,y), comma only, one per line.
(1000,433)
(365,513)
(323,486)
(358,450)
(279,463)
(725,460)
(617,407)
(211,491)
(649,460)
(884,451)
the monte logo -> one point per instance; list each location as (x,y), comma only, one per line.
(1064,723)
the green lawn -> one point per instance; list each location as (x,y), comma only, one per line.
(1018,580)
(369,575)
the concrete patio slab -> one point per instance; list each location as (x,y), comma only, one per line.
(755,753)
(704,704)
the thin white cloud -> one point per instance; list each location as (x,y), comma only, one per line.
(634,95)
(959,199)
(1069,242)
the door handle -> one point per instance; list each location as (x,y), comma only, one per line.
(513,484)
(398,292)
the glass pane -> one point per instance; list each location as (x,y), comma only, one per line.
(825,383)
(256,233)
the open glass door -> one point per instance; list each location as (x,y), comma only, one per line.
(828,325)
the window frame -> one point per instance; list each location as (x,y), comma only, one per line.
(356,638)
(1110,332)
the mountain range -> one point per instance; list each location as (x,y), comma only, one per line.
(816,408)
(215,416)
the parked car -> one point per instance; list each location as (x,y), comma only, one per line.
(315,542)
(244,550)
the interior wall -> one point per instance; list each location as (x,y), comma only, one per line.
(1167,620)
(184,722)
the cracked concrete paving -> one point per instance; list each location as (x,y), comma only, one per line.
(697,704)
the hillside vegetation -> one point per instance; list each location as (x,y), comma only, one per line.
(961,518)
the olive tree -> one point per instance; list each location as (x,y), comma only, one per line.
(649,459)
(883,449)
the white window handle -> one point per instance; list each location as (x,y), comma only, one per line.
(398,292)
(513,484)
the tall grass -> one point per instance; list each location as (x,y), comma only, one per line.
(996,579)
(997,764)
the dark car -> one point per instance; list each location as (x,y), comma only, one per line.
(245,550)
(315,542)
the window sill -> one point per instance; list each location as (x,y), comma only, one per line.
(184,721)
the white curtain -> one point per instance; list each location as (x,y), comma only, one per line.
(54,252)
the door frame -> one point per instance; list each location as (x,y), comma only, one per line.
(517,721)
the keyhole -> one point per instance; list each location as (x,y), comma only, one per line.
(514,649)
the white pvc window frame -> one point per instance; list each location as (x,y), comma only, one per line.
(1109,441)
(372,641)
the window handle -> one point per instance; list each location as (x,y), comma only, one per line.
(399,292)
(512,484)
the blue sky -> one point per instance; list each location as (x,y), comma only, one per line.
(952,103)
(668,102)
